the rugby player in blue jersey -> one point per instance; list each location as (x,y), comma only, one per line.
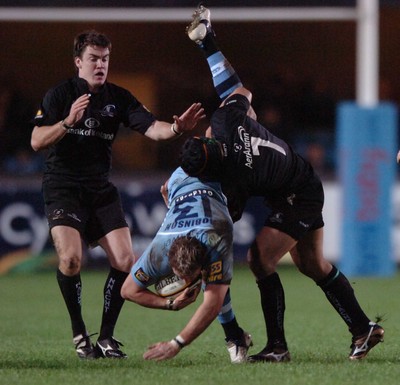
(195,238)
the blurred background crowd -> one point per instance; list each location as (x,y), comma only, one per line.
(298,72)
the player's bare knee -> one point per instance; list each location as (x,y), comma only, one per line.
(70,265)
(123,262)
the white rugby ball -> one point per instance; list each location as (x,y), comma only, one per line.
(171,286)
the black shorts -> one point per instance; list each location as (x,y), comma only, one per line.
(299,211)
(93,207)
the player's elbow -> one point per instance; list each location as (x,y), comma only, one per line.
(125,292)
(35,144)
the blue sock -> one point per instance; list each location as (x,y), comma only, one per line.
(225,79)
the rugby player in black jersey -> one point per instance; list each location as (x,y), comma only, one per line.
(257,163)
(77,123)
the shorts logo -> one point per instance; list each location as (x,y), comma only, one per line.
(74,216)
(305,225)
(277,218)
(290,199)
(141,276)
(57,214)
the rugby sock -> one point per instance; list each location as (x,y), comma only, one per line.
(273,306)
(340,294)
(225,79)
(228,321)
(71,290)
(232,330)
(112,302)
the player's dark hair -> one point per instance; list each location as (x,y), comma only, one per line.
(202,157)
(186,255)
(90,38)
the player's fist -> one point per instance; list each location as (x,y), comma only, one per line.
(398,157)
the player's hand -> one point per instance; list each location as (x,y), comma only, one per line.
(162,351)
(187,297)
(78,107)
(189,119)
(398,157)
(164,193)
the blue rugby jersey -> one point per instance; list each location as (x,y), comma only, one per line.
(197,209)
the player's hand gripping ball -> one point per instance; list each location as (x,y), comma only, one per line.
(172,286)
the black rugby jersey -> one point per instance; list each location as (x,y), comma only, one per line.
(257,163)
(86,148)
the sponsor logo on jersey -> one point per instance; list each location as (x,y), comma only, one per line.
(92,123)
(90,132)
(194,193)
(215,272)
(108,110)
(245,138)
(141,276)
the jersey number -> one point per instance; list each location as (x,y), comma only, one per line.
(257,142)
(186,210)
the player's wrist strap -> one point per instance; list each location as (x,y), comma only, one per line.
(179,341)
(169,304)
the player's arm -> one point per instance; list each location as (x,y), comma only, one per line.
(160,130)
(164,192)
(44,136)
(205,314)
(141,295)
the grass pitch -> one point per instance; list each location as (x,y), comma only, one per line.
(36,346)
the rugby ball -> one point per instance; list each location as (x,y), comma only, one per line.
(171,286)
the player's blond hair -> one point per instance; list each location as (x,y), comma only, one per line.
(186,255)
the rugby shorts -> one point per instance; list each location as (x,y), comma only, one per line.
(299,211)
(93,207)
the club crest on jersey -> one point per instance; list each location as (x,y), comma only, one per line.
(245,138)
(108,110)
(141,276)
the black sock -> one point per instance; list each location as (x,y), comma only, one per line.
(112,302)
(209,45)
(71,290)
(232,330)
(340,294)
(273,306)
